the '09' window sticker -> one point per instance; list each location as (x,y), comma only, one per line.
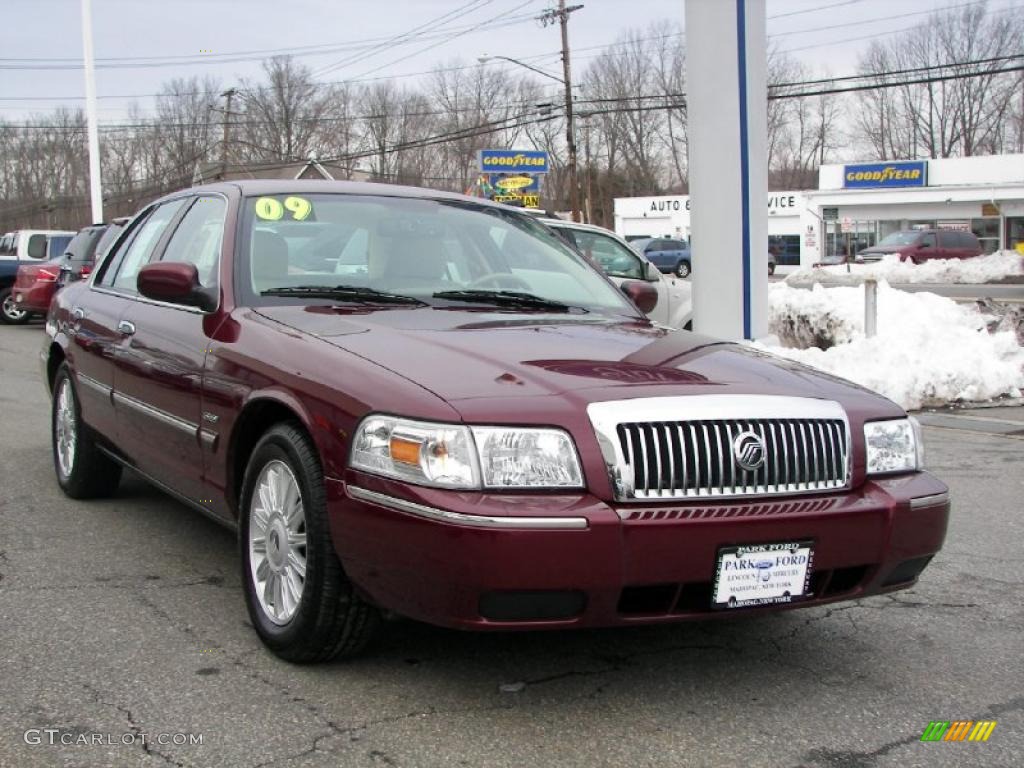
(272,209)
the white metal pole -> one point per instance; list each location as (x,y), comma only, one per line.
(95,182)
(870,307)
(727,110)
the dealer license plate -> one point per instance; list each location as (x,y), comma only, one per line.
(763,574)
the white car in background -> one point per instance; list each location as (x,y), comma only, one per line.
(621,263)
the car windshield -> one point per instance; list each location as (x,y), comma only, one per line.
(899,238)
(449,253)
(639,245)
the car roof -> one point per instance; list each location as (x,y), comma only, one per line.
(555,222)
(256,187)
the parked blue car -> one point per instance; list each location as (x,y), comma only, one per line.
(666,254)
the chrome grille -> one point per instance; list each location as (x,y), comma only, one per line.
(690,452)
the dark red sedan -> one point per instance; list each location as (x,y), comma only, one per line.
(426,404)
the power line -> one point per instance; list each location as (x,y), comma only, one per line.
(403,38)
(813,10)
(211,59)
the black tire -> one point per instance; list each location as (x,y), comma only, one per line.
(91,474)
(683,269)
(331,619)
(771,268)
(9,312)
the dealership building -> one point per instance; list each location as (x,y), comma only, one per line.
(856,205)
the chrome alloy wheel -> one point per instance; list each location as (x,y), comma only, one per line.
(67,429)
(11,310)
(277,542)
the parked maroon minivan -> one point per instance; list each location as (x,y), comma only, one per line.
(920,245)
(426,404)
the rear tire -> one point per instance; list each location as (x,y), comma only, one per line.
(9,312)
(83,471)
(300,601)
(683,269)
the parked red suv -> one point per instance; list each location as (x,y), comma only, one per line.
(919,245)
(427,404)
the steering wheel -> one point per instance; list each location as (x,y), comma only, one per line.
(500,280)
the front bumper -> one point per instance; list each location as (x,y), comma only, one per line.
(505,561)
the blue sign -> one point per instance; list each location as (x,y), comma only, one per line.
(875,175)
(513,161)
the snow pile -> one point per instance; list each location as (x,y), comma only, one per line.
(929,350)
(995,267)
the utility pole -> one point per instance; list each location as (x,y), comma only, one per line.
(562,15)
(229,94)
(95,181)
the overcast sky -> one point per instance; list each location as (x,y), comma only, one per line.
(826,34)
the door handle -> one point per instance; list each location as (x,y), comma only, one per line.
(126,327)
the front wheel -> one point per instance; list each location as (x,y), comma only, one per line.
(300,601)
(771,268)
(683,269)
(9,312)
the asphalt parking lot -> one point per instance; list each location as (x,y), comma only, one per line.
(125,617)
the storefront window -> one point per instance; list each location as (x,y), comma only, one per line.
(987,231)
(1015,233)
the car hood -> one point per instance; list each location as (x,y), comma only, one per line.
(475,357)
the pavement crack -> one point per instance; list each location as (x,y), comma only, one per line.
(133,725)
(840,758)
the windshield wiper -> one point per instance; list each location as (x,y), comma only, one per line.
(355,293)
(508,299)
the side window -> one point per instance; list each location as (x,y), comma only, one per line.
(928,241)
(612,257)
(139,251)
(197,239)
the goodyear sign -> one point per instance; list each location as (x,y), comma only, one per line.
(513,161)
(880,175)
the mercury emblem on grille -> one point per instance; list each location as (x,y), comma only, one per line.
(748,449)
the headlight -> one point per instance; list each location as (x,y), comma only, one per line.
(452,456)
(515,457)
(893,446)
(441,455)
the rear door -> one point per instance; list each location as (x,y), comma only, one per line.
(160,372)
(95,338)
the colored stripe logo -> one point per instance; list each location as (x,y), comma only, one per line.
(958,730)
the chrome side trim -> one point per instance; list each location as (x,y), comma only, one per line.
(147,300)
(457,518)
(208,438)
(155,413)
(934,500)
(93,384)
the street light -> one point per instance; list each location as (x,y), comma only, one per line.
(570,127)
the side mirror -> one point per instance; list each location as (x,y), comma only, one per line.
(37,247)
(644,295)
(175,282)
(651,273)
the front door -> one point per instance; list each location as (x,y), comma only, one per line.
(159,380)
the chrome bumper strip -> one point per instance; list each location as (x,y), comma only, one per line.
(929,501)
(93,384)
(155,413)
(457,518)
